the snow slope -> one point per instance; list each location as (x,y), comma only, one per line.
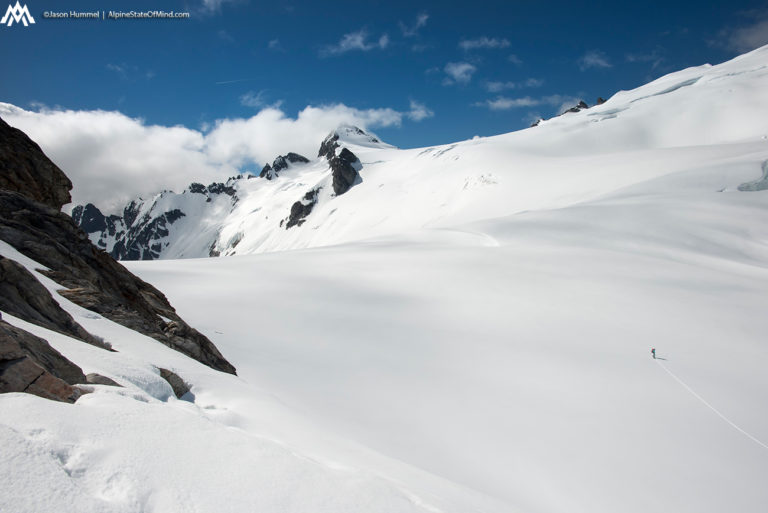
(564,161)
(468,329)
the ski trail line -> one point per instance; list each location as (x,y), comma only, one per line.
(697,396)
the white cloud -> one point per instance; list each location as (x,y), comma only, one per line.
(655,57)
(419,111)
(458,72)
(225,36)
(748,37)
(412,30)
(496,87)
(274,44)
(112,158)
(214,6)
(258,99)
(514,59)
(130,72)
(562,102)
(483,42)
(355,41)
(504,103)
(593,59)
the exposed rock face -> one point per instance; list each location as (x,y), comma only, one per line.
(29,364)
(600,100)
(266,172)
(92,279)
(302,208)
(25,169)
(579,107)
(345,167)
(328,146)
(98,379)
(142,232)
(281,163)
(23,296)
(179,386)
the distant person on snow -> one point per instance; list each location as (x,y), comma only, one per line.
(653,352)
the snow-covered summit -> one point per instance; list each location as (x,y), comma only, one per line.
(397,191)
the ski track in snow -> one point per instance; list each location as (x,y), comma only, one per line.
(708,405)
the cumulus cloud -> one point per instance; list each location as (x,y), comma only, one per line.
(355,41)
(112,158)
(412,30)
(514,59)
(419,111)
(593,59)
(458,72)
(483,42)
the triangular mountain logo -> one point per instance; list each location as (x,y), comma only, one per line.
(18,14)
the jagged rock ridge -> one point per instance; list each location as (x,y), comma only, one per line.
(280,163)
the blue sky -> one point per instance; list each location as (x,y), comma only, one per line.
(175,71)
(417,73)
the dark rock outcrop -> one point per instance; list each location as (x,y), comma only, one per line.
(582,105)
(90,278)
(345,169)
(302,208)
(23,296)
(280,163)
(266,172)
(98,379)
(600,100)
(95,281)
(328,146)
(29,364)
(143,230)
(179,386)
(25,169)
(89,218)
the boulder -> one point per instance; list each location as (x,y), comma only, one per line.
(179,386)
(97,379)
(29,364)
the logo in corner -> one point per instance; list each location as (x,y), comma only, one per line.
(18,14)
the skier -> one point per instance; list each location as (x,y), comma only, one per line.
(653,352)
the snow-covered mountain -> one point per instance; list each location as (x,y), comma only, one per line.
(566,160)
(462,328)
(213,220)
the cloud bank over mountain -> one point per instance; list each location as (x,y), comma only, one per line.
(112,157)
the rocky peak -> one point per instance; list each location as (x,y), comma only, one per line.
(26,169)
(280,163)
(89,218)
(347,134)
